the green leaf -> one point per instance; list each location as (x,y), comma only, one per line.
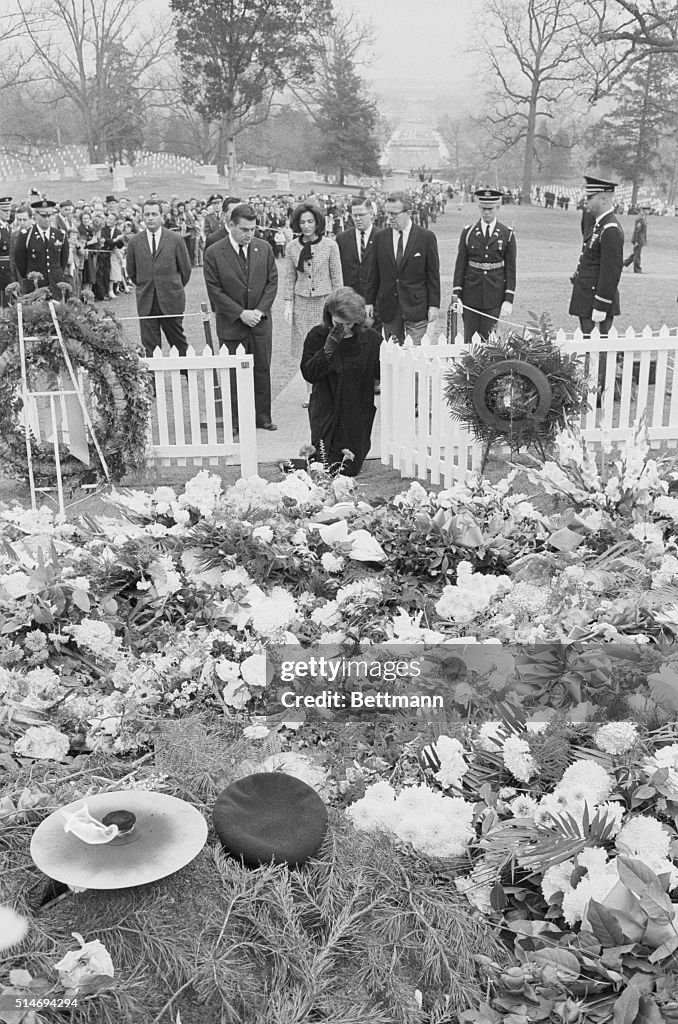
(81,601)
(643,883)
(649,1012)
(565,962)
(626,1006)
(603,923)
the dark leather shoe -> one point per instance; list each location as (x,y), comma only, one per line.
(267,426)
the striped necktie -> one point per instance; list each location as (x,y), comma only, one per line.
(362,246)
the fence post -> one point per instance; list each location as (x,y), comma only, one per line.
(207,327)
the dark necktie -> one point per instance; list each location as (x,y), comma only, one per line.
(243,257)
(154,248)
(362,246)
(399,251)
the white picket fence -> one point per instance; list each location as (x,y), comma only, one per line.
(191,418)
(421,440)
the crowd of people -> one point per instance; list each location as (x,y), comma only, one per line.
(354,269)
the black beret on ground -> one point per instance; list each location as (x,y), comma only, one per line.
(268,817)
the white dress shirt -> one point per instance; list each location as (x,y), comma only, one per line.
(367,232)
(406,235)
(149,236)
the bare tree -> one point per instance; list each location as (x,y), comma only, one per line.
(85,48)
(532,51)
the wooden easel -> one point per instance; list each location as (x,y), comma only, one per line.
(54,396)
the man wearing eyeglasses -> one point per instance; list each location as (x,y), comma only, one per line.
(404,279)
(356,249)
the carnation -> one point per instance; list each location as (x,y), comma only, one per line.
(255,732)
(452,764)
(471,595)
(263,534)
(43,742)
(616,737)
(518,759)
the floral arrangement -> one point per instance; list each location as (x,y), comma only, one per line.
(173,607)
(521,390)
(120,395)
(573,855)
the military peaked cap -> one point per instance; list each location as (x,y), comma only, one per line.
(595,185)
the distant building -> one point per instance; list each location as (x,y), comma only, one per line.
(414,146)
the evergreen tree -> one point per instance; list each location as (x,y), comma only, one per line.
(627,139)
(236,53)
(347,119)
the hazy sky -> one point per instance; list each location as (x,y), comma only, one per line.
(418,38)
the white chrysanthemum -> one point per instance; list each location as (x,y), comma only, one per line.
(96,637)
(41,680)
(645,837)
(518,759)
(275,612)
(557,879)
(491,735)
(553,805)
(523,807)
(586,780)
(666,507)
(233,578)
(301,767)
(592,887)
(616,737)
(43,742)
(331,562)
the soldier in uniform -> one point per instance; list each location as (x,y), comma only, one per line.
(595,295)
(595,298)
(5,246)
(42,248)
(485,271)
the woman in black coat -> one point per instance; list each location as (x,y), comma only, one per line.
(341,361)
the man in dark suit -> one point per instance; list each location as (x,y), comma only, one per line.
(484,282)
(404,279)
(356,249)
(242,282)
(42,249)
(5,248)
(159,267)
(229,204)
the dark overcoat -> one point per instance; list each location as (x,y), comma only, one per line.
(595,281)
(341,407)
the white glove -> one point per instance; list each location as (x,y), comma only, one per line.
(460,307)
(598,315)
(506,309)
(287,313)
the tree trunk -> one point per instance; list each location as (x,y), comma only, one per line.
(528,159)
(642,134)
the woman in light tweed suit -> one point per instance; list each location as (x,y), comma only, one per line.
(313,270)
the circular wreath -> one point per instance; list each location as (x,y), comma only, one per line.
(521,390)
(119,385)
